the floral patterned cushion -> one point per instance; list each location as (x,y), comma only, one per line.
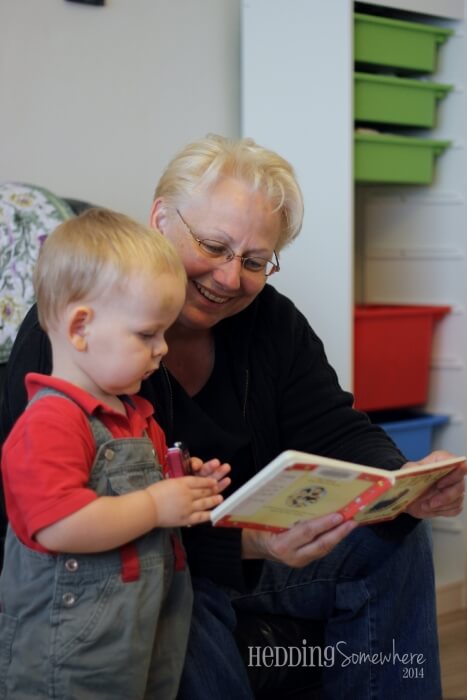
(27,215)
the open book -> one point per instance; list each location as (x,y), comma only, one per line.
(297,486)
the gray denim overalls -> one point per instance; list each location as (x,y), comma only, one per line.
(106,626)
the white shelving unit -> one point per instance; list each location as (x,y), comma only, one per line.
(372,244)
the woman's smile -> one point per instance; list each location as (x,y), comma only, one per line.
(210,295)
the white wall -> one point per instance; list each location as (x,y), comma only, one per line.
(95,100)
(297,99)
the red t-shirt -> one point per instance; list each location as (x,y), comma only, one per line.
(48,456)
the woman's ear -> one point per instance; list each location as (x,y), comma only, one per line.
(159,215)
(77,329)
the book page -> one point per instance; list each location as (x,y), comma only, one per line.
(297,486)
(406,489)
(305,492)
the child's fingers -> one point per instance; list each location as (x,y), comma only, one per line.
(198,518)
(221,485)
(207,502)
(201,482)
(214,468)
(204,468)
(211,464)
(196,464)
(221,471)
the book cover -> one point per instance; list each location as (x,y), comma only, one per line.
(297,486)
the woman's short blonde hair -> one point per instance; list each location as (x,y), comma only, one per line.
(93,254)
(202,163)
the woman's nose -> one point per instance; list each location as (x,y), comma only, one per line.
(228,274)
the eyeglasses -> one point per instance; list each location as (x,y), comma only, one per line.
(216,249)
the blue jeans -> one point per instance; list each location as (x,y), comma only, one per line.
(377,598)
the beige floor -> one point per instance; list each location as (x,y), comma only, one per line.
(453,648)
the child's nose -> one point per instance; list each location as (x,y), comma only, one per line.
(160,348)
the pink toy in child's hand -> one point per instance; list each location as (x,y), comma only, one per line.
(178,460)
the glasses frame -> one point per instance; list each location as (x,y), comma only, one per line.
(230,255)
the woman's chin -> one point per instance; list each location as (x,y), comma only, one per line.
(201,316)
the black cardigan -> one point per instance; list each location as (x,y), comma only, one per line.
(290,396)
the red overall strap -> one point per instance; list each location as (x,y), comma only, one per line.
(179,552)
(177,547)
(129,558)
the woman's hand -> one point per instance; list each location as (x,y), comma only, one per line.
(214,469)
(302,544)
(446,497)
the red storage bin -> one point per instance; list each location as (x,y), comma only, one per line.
(392,349)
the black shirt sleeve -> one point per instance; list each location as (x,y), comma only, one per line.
(317,416)
(30,353)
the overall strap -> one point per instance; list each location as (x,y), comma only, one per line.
(128,553)
(100,432)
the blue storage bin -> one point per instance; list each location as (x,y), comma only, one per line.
(412,432)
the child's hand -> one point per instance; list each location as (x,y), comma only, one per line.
(184,501)
(214,469)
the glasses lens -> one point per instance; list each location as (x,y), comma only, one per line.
(214,249)
(256,265)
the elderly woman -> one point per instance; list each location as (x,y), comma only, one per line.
(245,378)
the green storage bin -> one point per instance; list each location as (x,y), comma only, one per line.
(387,100)
(395,159)
(397,44)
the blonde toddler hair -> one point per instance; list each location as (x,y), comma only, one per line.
(93,253)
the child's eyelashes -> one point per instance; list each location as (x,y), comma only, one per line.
(147,335)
